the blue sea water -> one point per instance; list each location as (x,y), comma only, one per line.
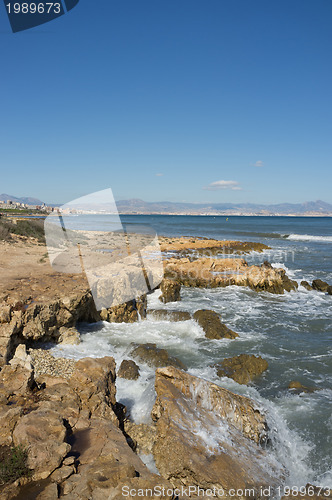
(292,331)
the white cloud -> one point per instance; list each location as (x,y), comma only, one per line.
(159,175)
(259,163)
(214,186)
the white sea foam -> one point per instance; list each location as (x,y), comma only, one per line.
(148,460)
(309,237)
(274,326)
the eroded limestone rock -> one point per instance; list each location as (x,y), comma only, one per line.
(212,326)
(129,370)
(243,368)
(155,356)
(208,437)
(170,291)
(163,314)
(211,273)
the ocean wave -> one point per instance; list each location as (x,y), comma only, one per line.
(308,237)
(257,234)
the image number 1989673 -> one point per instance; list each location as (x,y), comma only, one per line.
(24,15)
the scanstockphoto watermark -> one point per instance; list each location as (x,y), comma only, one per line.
(187,491)
(263,491)
(121,261)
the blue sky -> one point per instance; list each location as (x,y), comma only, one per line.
(180,100)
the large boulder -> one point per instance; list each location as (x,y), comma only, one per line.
(170,291)
(306,285)
(164,315)
(15,380)
(70,336)
(128,369)
(107,464)
(208,437)
(320,285)
(21,358)
(129,312)
(243,368)
(43,433)
(212,326)
(155,356)
(288,284)
(93,381)
(298,388)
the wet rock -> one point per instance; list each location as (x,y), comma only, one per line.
(211,273)
(54,320)
(31,322)
(298,388)
(243,369)
(69,336)
(208,247)
(320,285)
(207,436)
(212,326)
(329,290)
(170,291)
(288,284)
(156,357)
(162,314)
(129,370)
(306,285)
(128,312)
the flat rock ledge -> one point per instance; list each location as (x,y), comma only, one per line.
(212,273)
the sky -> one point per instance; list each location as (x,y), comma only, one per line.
(177,100)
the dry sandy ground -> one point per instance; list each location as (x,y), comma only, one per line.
(25,270)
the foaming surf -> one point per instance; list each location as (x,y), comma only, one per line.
(291,331)
(308,237)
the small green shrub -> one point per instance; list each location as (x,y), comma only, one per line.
(29,227)
(13,463)
(4,231)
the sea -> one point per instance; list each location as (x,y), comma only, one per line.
(293,332)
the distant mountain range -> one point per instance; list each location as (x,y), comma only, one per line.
(27,201)
(137,206)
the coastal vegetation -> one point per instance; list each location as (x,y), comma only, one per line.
(13,463)
(30,228)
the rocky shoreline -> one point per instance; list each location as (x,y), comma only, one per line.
(80,443)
